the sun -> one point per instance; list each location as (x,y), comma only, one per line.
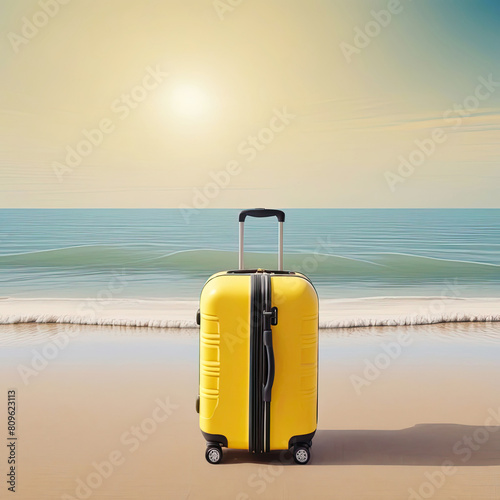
(190,101)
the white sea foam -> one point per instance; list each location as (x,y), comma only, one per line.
(411,320)
(82,320)
(334,313)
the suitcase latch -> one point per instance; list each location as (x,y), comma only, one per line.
(273,313)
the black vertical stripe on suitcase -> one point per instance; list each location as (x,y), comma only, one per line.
(259,417)
(260,373)
(255,443)
(251,390)
(266,321)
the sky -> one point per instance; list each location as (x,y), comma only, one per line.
(243,103)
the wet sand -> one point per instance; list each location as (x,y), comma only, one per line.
(404,412)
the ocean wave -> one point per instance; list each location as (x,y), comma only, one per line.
(371,266)
(75,256)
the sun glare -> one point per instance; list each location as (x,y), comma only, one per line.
(189,101)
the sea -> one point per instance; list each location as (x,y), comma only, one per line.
(170,253)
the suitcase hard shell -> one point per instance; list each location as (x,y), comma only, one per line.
(258,387)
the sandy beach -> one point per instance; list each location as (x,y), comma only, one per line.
(108,412)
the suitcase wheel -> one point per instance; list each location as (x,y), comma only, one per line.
(301,453)
(213,454)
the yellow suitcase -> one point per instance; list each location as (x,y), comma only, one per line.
(258,386)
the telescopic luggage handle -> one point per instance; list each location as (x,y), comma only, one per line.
(262,212)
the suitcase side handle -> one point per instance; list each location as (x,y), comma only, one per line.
(262,212)
(268,344)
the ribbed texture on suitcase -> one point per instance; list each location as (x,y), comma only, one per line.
(210,365)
